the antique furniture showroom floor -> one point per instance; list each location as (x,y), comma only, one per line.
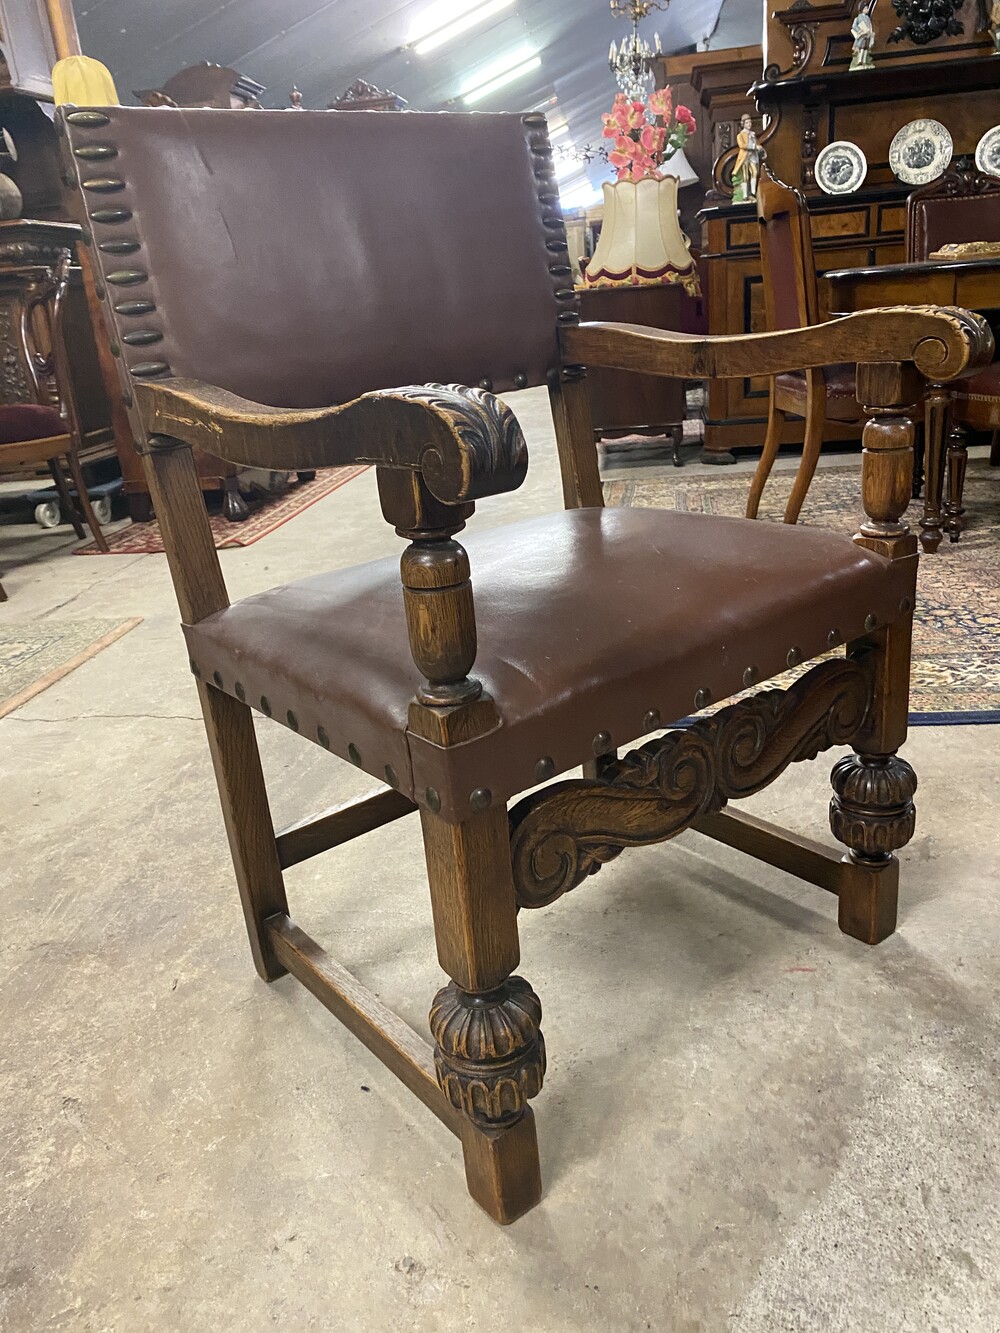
(755,1123)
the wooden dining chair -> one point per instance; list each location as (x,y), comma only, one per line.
(462,675)
(791,301)
(961,206)
(45,427)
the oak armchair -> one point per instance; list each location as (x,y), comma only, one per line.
(440,675)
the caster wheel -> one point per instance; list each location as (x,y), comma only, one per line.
(48,515)
(102,509)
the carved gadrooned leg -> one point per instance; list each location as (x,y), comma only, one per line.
(872,813)
(489,1052)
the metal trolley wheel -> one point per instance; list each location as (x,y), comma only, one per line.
(102,509)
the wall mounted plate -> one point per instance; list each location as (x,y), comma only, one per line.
(988,152)
(840,167)
(920,152)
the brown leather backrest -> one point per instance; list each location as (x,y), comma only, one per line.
(957,208)
(303,258)
(790,290)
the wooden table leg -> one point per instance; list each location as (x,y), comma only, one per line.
(958,458)
(935,423)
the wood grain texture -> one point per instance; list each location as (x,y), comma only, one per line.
(804,857)
(465,442)
(247,816)
(309,837)
(387,1036)
(942,341)
(563,833)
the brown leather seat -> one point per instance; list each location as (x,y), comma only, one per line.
(638,609)
(841,390)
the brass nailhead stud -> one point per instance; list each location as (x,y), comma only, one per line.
(390,776)
(870,622)
(433,799)
(195,668)
(833,638)
(293,721)
(520,380)
(118,247)
(241,693)
(602,742)
(652,720)
(322,737)
(702,699)
(906,605)
(134,308)
(91,118)
(533,119)
(110,217)
(556,247)
(544,769)
(565,294)
(114,348)
(751,676)
(486,384)
(127,397)
(142,337)
(103,184)
(217,677)
(794,656)
(95,152)
(127,277)
(147,369)
(560,271)
(481,799)
(100,290)
(265,705)
(354,754)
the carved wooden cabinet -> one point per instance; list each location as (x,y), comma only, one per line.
(805,97)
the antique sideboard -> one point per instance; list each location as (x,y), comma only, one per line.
(803,98)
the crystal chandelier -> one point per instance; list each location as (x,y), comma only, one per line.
(630,61)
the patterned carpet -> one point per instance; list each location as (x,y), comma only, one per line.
(956,650)
(35,654)
(265,515)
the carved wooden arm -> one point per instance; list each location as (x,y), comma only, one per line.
(943,342)
(464,443)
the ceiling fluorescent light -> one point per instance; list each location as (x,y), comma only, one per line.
(500,72)
(501,81)
(567,167)
(470,19)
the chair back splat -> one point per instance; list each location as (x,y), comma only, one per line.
(300,261)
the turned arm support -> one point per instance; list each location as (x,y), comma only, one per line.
(943,342)
(437,448)
(463,442)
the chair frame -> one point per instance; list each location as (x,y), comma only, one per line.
(437,450)
(42,292)
(775,199)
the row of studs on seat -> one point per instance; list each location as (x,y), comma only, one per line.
(481,798)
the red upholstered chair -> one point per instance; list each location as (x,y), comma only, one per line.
(464,674)
(791,301)
(40,432)
(959,207)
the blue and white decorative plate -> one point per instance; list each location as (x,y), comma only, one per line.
(920,152)
(840,167)
(988,152)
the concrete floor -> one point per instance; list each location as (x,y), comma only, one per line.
(750,1122)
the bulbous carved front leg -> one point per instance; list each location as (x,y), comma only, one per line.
(489,1051)
(872,813)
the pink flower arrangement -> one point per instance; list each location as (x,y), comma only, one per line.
(646,134)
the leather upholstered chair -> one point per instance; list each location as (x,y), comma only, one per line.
(791,301)
(45,429)
(959,207)
(457,691)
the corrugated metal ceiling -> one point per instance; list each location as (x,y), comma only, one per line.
(321,46)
